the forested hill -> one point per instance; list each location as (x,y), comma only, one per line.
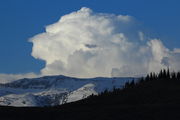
(155,97)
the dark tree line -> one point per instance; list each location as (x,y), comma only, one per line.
(155,87)
(163,75)
(154,97)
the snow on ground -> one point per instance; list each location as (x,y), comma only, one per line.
(54,90)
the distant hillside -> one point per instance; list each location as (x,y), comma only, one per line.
(155,97)
(54,90)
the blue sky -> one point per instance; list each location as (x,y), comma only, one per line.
(22,19)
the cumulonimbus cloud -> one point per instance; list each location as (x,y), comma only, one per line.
(89,44)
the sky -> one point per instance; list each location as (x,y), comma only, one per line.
(22,20)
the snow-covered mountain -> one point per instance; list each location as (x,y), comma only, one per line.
(54,90)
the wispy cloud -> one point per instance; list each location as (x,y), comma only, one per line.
(5,78)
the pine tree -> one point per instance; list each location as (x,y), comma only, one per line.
(168,73)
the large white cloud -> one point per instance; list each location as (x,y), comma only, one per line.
(89,44)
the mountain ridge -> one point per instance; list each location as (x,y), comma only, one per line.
(55,90)
(154,97)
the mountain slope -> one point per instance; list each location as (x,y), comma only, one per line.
(155,97)
(54,90)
